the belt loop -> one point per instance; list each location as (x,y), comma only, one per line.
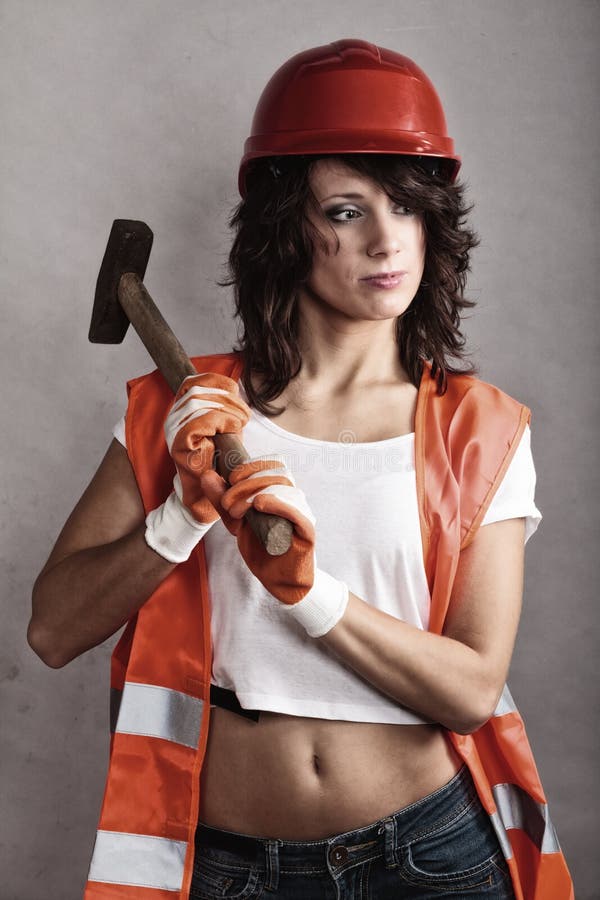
(389,849)
(272,865)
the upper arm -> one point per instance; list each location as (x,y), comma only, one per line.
(485,605)
(109,508)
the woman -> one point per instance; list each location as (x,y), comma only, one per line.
(361,741)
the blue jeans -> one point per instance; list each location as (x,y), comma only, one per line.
(441,846)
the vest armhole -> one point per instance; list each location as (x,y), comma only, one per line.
(426,385)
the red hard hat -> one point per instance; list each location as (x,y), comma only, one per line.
(349,97)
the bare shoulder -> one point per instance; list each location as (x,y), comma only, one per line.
(110,507)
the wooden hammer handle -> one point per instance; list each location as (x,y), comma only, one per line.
(173,362)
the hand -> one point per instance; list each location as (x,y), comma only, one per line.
(315,599)
(204,405)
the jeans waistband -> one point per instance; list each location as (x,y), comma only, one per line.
(381,837)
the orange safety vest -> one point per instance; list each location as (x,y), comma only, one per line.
(161,667)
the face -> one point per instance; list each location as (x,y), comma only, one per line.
(373,262)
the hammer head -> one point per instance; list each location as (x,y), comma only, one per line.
(128,250)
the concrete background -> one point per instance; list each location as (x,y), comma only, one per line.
(139,110)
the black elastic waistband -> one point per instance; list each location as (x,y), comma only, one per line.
(240,844)
(227,700)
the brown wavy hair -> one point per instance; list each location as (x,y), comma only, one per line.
(271,258)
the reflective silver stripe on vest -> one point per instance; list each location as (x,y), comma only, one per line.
(138,860)
(516,809)
(501,835)
(160,712)
(506,704)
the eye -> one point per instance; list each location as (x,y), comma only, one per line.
(342,213)
(405,210)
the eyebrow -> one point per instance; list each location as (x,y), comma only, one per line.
(349,196)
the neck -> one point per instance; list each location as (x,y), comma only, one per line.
(340,353)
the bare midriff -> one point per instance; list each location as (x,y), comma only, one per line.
(307,779)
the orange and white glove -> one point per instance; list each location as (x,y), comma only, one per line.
(315,599)
(205,404)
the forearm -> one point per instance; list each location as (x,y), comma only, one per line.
(440,678)
(90,594)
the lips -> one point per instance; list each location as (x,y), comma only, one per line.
(385,279)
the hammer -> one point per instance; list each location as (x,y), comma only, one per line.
(121,298)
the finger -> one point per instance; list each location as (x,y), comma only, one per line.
(241,495)
(214,487)
(197,459)
(203,417)
(279,500)
(207,379)
(260,466)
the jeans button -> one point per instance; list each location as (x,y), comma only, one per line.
(338,855)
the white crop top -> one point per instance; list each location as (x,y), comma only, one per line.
(260,652)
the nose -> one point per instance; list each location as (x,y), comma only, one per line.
(385,236)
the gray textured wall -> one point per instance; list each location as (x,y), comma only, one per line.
(139,110)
